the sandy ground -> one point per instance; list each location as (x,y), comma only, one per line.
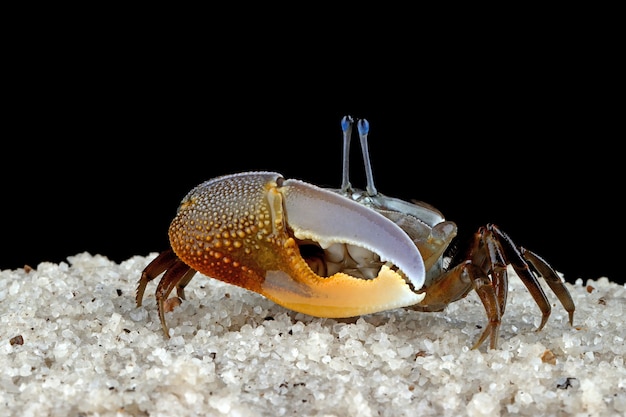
(73,343)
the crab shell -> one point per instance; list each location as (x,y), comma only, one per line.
(245,229)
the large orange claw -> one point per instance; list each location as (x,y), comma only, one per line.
(247,229)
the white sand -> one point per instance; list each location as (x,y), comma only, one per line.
(88,351)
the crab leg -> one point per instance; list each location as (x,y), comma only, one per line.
(522,269)
(177,276)
(488,260)
(155,268)
(491,301)
(456,284)
(484,270)
(553,280)
(526,262)
(495,263)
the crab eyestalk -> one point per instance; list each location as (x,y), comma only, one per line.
(346,128)
(364,129)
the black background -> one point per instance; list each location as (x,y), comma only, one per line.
(101,143)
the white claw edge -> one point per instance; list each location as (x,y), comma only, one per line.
(327,217)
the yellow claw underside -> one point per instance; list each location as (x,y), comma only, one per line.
(340,295)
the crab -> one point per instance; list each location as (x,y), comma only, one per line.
(339,253)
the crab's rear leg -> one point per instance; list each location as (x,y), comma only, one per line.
(177,276)
(522,260)
(552,279)
(155,268)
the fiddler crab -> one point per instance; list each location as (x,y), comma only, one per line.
(339,253)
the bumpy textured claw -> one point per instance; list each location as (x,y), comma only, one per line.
(246,229)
